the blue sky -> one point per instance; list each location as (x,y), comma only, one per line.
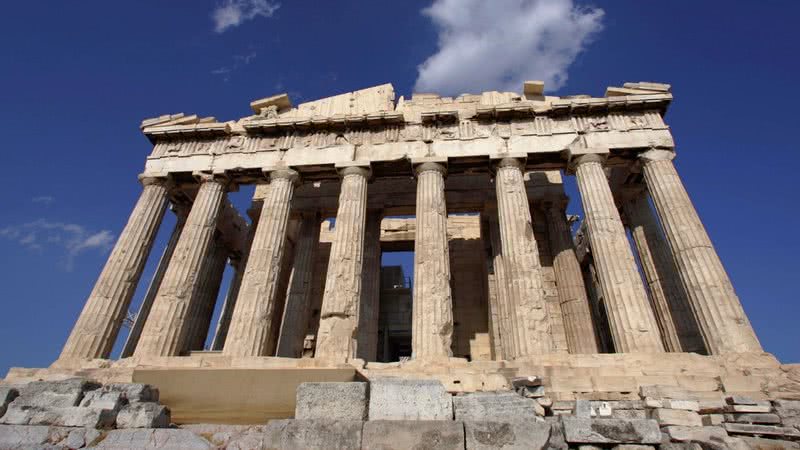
(78,77)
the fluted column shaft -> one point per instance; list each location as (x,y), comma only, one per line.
(98,325)
(722,320)
(166,330)
(224,322)
(155,283)
(207,296)
(507,343)
(676,321)
(572,295)
(530,327)
(432,306)
(339,315)
(368,312)
(252,321)
(298,299)
(633,325)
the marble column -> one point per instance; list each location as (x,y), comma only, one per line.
(224,322)
(432,306)
(581,337)
(298,299)
(722,320)
(679,329)
(252,321)
(338,321)
(98,325)
(501,304)
(368,311)
(530,327)
(630,316)
(207,295)
(167,328)
(155,283)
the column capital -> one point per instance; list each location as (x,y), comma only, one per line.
(147,180)
(283,173)
(517,160)
(354,168)
(427,164)
(656,154)
(216,177)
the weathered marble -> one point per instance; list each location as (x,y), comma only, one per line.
(716,306)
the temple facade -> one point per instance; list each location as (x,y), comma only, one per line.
(472,185)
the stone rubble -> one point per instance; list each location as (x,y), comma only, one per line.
(405,413)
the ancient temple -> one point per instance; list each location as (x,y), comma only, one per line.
(630,293)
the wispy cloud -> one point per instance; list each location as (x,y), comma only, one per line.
(498,44)
(232,13)
(238,61)
(44,199)
(71,238)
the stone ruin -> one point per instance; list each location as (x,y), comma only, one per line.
(515,333)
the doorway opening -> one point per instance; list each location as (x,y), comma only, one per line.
(394,323)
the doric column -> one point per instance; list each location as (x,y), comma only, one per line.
(432,306)
(676,321)
(529,322)
(630,317)
(723,323)
(224,322)
(368,312)
(501,299)
(251,325)
(569,282)
(97,327)
(203,305)
(298,299)
(338,321)
(166,331)
(155,283)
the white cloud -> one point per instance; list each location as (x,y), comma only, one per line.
(44,199)
(498,44)
(71,238)
(231,13)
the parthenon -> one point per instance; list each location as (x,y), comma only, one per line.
(495,160)
(516,313)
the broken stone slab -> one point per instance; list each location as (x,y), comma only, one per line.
(311,434)
(632,447)
(763,430)
(712,420)
(700,435)
(742,400)
(531,391)
(759,418)
(20,436)
(421,434)
(619,404)
(170,438)
(629,414)
(748,409)
(680,417)
(680,446)
(400,399)
(519,435)
(339,401)
(143,415)
(81,437)
(610,431)
(69,416)
(711,406)
(495,406)
(531,381)
(661,391)
(134,392)
(583,409)
(769,444)
(687,405)
(54,394)
(557,440)
(102,399)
